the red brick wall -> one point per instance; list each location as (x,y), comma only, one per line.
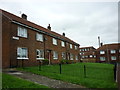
(10,46)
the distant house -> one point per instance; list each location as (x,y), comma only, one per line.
(109,53)
(88,54)
(24,40)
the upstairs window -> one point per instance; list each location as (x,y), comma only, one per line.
(39,37)
(112,51)
(22,53)
(63,55)
(55,55)
(54,41)
(71,46)
(71,56)
(75,47)
(39,54)
(22,32)
(62,43)
(102,52)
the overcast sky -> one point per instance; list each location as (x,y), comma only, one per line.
(81,21)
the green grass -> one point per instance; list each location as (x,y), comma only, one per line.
(97,75)
(9,81)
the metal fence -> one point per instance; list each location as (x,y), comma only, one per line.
(81,71)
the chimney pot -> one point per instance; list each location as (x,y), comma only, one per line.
(24,16)
(49,27)
(63,34)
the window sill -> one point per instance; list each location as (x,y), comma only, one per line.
(40,58)
(55,58)
(23,58)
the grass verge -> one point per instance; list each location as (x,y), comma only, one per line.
(9,81)
(97,75)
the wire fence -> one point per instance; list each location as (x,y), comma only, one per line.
(81,71)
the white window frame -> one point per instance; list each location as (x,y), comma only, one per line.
(91,56)
(102,58)
(63,55)
(39,54)
(62,43)
(22,32)
(113,58)
(22,53)
(112,51)
(55,55)
(70,46)
(54,41)
(76,47)
(102,52)
(39,37)
(76,57)
(71,56)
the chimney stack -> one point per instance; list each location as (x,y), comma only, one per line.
(63,34)
(101,44)
(24,16)
(99,41)
(49,27)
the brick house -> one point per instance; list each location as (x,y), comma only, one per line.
(109,53)
(24,40)
(88,54)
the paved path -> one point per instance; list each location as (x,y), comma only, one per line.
(41,79)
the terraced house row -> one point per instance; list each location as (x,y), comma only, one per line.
(24,40)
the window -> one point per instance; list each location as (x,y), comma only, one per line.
(22,53)
(76,57)
(102,58)
(22,32)
(39,37)
(94,56)
(91,56)
(55,55)
(83,56)
(113,58)
(40,54)
(62,43)
(75,47)
(112,51)
(102,52)
(71,46)
(63,55)
(71,56)
(54,41)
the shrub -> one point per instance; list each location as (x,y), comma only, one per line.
(65,61)
(45,61)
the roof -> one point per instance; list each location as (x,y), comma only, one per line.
(110,46)
(21,21)
(87,47)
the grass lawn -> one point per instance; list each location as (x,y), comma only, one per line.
(9,81)
(97,75)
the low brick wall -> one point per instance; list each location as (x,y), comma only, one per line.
(118,75)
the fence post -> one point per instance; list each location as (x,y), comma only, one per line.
(84,71)
(115,68)
(60,68)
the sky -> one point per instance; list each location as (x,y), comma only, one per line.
(81,21)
